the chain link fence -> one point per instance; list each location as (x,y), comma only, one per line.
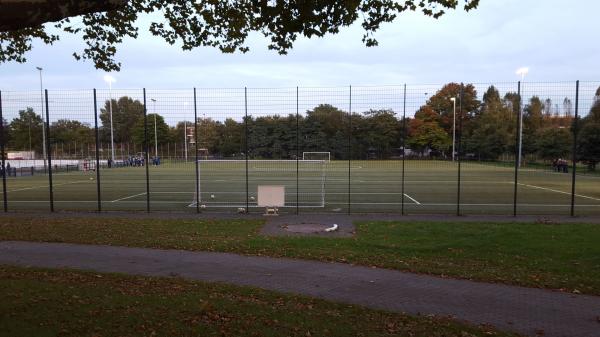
(481,148)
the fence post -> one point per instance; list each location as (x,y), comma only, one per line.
(459,147)
(403,144)
(517,152)
(246,135)
(2,153)
(146,154)
(99,198)
(49,153)
(196,148)
(575,125)
(297,155)
(349,147)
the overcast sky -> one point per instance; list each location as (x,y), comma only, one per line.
(558,40)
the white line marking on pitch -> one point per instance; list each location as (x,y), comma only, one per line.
(519,205)
(557,191)
(129,197)
(411,198)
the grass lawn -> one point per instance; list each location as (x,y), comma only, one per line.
(565,256)
(37,302)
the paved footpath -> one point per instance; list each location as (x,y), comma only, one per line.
(523,310)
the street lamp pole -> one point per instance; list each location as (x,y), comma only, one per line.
(521,71)
(30,135)
(43,123)
(155,133)
(185,140)
(111,79)
(453,99)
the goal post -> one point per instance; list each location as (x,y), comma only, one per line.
(325,156)
(222,183)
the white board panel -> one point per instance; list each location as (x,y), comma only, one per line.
(271,196)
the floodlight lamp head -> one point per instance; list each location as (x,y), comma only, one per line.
(522,71)
(453,99)
(109,79)
(38,68)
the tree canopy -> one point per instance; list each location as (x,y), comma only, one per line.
(226,25)
(487,130)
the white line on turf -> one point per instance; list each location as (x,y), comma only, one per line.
(519,205)
(411,198)
(289,193)
(128,197)
(462,204)
(434,181)
(557,191)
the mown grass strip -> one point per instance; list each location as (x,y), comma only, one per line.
(565,256)
(39,302)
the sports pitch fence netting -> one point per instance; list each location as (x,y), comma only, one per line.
(482,148)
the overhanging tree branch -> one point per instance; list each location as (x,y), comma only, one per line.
(20,14)
(103,24)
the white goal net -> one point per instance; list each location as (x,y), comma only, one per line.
(222,183)
(325,156)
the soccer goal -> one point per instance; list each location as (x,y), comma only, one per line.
(223,183)
(325,156)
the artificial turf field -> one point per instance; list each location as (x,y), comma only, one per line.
(375,186)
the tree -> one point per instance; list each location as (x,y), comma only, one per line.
(74,134)
(326,129)
(231,137)
(513,100)
(547,107)
(6,127)
(225,25)
(272,137)
(567,107)
(594,114)
(380,132)
(441,104)
(126,113)
(429,136)
(493,130)
(162,131)
(67,130)
(533,121)
(553,143)
(208,134)
(588,144)
(26,131)
(427,114)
